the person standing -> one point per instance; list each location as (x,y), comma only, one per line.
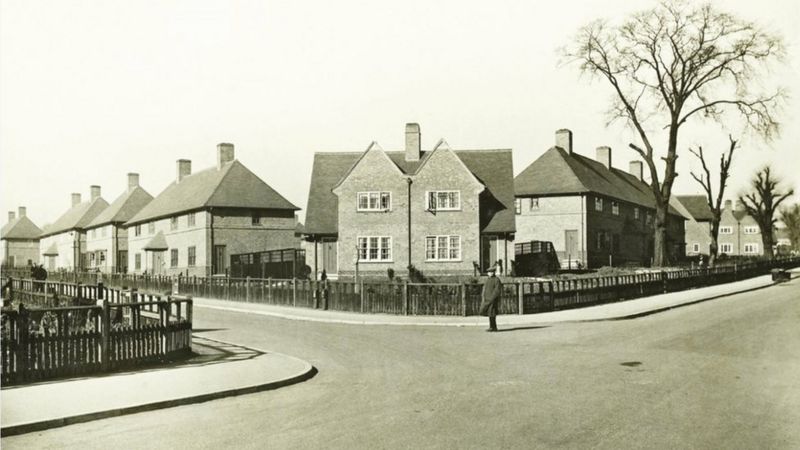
(491,298)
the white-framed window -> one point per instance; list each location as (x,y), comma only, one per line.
(615,208)
(598,204)
(726,248)
(190,219)
(173,257)
(191,253)
(696,247)
(518,206)
(751,229)
(137,261)
(374,248)
(137,230)
(255,218)
(725,230)
(443,200)
(534,203)
(374,201)
(443,248)
(751,249)
(636,213)
(173,223)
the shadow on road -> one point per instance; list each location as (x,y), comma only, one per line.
(503,330)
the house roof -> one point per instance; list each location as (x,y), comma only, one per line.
(697,205)
(156,243)
(232,186)
(79,216)
(20,228)
(123,208)
(52,250)
(557,172)
(493,168)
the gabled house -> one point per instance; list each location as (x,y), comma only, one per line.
(444,211)
(698,223)
(194,225)
(739,233)
(106,237)
(593,213)
(20,238)
(63,243)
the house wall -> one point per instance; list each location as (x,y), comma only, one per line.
(101,239)
(625,238)
(739,237)
(21,250)
(234,229)
(181,238)
(550,222)
(66,242)
(698,233)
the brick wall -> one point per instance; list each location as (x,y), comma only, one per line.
(22,251)
(66,243)
(550,220)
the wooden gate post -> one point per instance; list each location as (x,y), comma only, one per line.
(361,296)
(520,298)
(105,357)
(463,299)
(294,291)
(405,298)
(247,289)
(22,353)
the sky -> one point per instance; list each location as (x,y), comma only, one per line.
(92,90)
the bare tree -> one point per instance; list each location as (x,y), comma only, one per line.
(670,65)
(790,216)
(762,202)
(714,204)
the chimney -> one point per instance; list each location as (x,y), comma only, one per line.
(22,212)
(184,169)
(10,216)
(133,180)
(604,156)
(739,205)
(76,198)
(564,139)
(636,169)
(412,142)
(728,204)
(95,191)
(224,154)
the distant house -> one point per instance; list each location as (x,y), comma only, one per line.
(698,223)
(63,243)
(594,214)
(739,233)
(195,224)
(106,237)
(444,211)
(20,238)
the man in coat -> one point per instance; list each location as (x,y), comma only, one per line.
(492,290)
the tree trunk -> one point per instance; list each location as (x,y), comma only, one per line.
(660,245)
(766,240)
(713,250)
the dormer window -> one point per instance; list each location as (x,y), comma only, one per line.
(444,200)
(374,201)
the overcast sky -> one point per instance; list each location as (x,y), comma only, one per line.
(91,90)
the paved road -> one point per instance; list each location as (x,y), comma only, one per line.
(720,374)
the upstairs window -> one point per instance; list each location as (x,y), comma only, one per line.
(534,204)
(173,223)
(518,206)
(374,201)
(190,219)
(636,213)
(598,204)
(615,208)
(374,248)
(750,229)
(256,218)
(137,230)
(444,201)
(725,230)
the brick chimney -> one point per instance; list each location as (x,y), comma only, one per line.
(604,156)
(133,180)
(636,169)
(224,154)
(95,191)
(413,145)
(184,169)
(22,212)
(564,139)
(11,216)
(76,198)
(728,204)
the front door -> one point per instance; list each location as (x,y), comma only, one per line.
(220,263)
(329,258)
(122,261)
(488,252)
(158,263)
(571,248)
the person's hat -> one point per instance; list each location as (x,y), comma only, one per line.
(491,269)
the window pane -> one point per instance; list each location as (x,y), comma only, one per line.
(373,248)
(373,200)
(455,247)
(385,248)
(385,200)
(363,201)
(441,251)
(441,198)
(430,248)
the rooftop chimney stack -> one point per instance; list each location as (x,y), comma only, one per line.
(95,191)
(133,180)
(11,216)
(23,212)
(636,168)
(728,204)
(184,169)
(413,146)
(224,154)
(604,156)
(76,198)
(564,140)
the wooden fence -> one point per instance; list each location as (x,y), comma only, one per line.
(122,329)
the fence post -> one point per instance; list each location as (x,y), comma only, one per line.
(269,290)
(105,336)
(664,280)
(552,296)
(247,289)
(520,298)
(22,329)
(100,292)
(294,292)
(361,296)
(463,299)
(405,298)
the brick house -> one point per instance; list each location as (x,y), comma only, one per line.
(739,233)
(20,238)
(443,211)
(200,219)
(63,243)
(593,213)
(106,237)
(698,223)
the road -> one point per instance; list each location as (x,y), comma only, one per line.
(719,374)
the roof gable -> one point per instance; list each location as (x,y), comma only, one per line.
(77,217)
(443,150)
(548,174)
(373,153)
(123,208)
(20,228)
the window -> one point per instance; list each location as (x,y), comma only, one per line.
(518,206)
(444,200)
(725,230)
(137,230)
(375,248)
(173,223)
(598,204)
(750,229)
(151,228)
(615,208)
(101,257)
(256,218)
(190,219)
(534,203)
(137,261)
(751,249)
(600,240)
(173,257)
(103,231)
(374,201)
(443,248)
(726,248)
(636,213)
(696,247)
(649,218)
(191,252)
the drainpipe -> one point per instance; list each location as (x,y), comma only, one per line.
(409,223)
(211,249)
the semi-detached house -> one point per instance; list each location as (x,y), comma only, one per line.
(20,238)
(194,225)
(444,211)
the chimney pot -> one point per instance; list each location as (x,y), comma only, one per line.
(95,191)
(604,156)
(184,169)
(413,144)
(224,154)
(564,140)
(636,169)
(23,211)
(76,198)
(133,180)
(11,216)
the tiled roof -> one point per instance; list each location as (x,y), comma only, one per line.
(697,205)
(493,168)
(557,172)
(78,216)
(123,208)
(20,228)
(232,186)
